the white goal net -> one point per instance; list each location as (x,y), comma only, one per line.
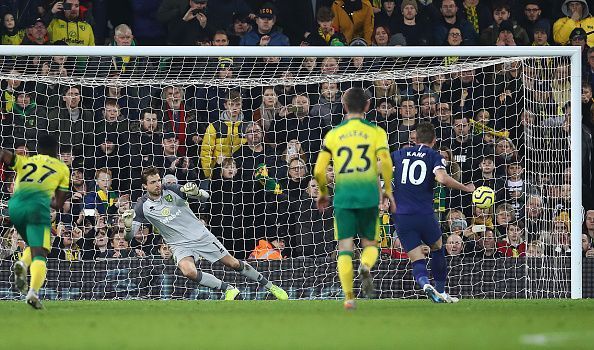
(248,131)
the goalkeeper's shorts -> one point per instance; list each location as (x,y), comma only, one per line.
(207,247)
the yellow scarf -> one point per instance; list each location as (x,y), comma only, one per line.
(472,15)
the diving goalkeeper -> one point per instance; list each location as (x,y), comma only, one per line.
(165,207)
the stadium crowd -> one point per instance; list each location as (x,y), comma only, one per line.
(504,126)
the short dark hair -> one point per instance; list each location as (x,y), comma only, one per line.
(425,132)
(48,145)
(355,100)
(233,95)
(501,5)
(325,14)
(146,172)
(110,101)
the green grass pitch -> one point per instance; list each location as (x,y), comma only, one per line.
(307,324)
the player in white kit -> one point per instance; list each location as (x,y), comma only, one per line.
(166,208)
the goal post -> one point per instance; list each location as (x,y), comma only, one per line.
(489,54)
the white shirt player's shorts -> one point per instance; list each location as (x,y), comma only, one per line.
(208,247)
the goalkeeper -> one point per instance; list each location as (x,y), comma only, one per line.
(165,207)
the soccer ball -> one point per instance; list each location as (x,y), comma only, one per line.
(483,197)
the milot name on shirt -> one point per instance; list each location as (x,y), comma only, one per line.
(353,133)
(170,218)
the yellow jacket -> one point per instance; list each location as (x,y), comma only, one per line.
(361,24)
(563,26)
(222,138)
(15,38)
(78,33)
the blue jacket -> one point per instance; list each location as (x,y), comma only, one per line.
(253,39)
(440,32)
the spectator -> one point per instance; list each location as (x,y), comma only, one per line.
(297,180)
(533,17)
(270,109)
(385,116)
(449,18)
(504,29)
(120,248)
(103,198)
(535,250)
(455,222)
(99,241)
(589,224)
(396,251)
(172,162)
(465,93)
(180,120)
(9,88)
(354,19)
(193,26)
(222,137)
(264,35)
(220,38)
(173,13)
(389,16)
(578,15)
(416,88)
(514,186)
(36,34)
(414,32)
(541,35)
(486,246)
(108,154)
(452,167)
(253,153)
(240,26)
(489,178)
(590,67)
(384,89)
(466,148)
(454,245)
(513,245)
(408,120)
(111,123)
(587,251)
(427,104)
(325,34)
(70,121)
(11,35)
(443,122)
(66,14)
(166,254)
(225,192)
(312,234)
(28,120)
(477,14)
(67,244)
(329,106)
(534,213)
(300,126)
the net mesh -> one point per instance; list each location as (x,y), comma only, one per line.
(248,130)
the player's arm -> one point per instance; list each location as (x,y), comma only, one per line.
(191,190)
(322,163)
(59,199)
(386,171)
(443,178)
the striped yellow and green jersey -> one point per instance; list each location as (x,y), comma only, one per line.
(40,174)
(354,145)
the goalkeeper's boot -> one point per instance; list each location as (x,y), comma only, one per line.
(366,281)
(349,304)
(231,293)
(450,299)
(433,294)
(33,299)
(278,292)
(20,276)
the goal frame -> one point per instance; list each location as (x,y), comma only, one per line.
(574,52)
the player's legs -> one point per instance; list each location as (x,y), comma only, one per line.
(187,266)
(250,273)
(369,232)
(38,236)
(439,270)
(345,227)
(409,228)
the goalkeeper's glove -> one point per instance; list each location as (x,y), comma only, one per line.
(127,218)
(192,190)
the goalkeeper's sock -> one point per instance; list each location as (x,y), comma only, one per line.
(38,272)
(249,272)
(439,269)
(420,272)
(210,281)
(369,256)
(26,257)
(345,273)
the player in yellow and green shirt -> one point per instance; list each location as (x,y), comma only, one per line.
(354,147)
(42,181)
